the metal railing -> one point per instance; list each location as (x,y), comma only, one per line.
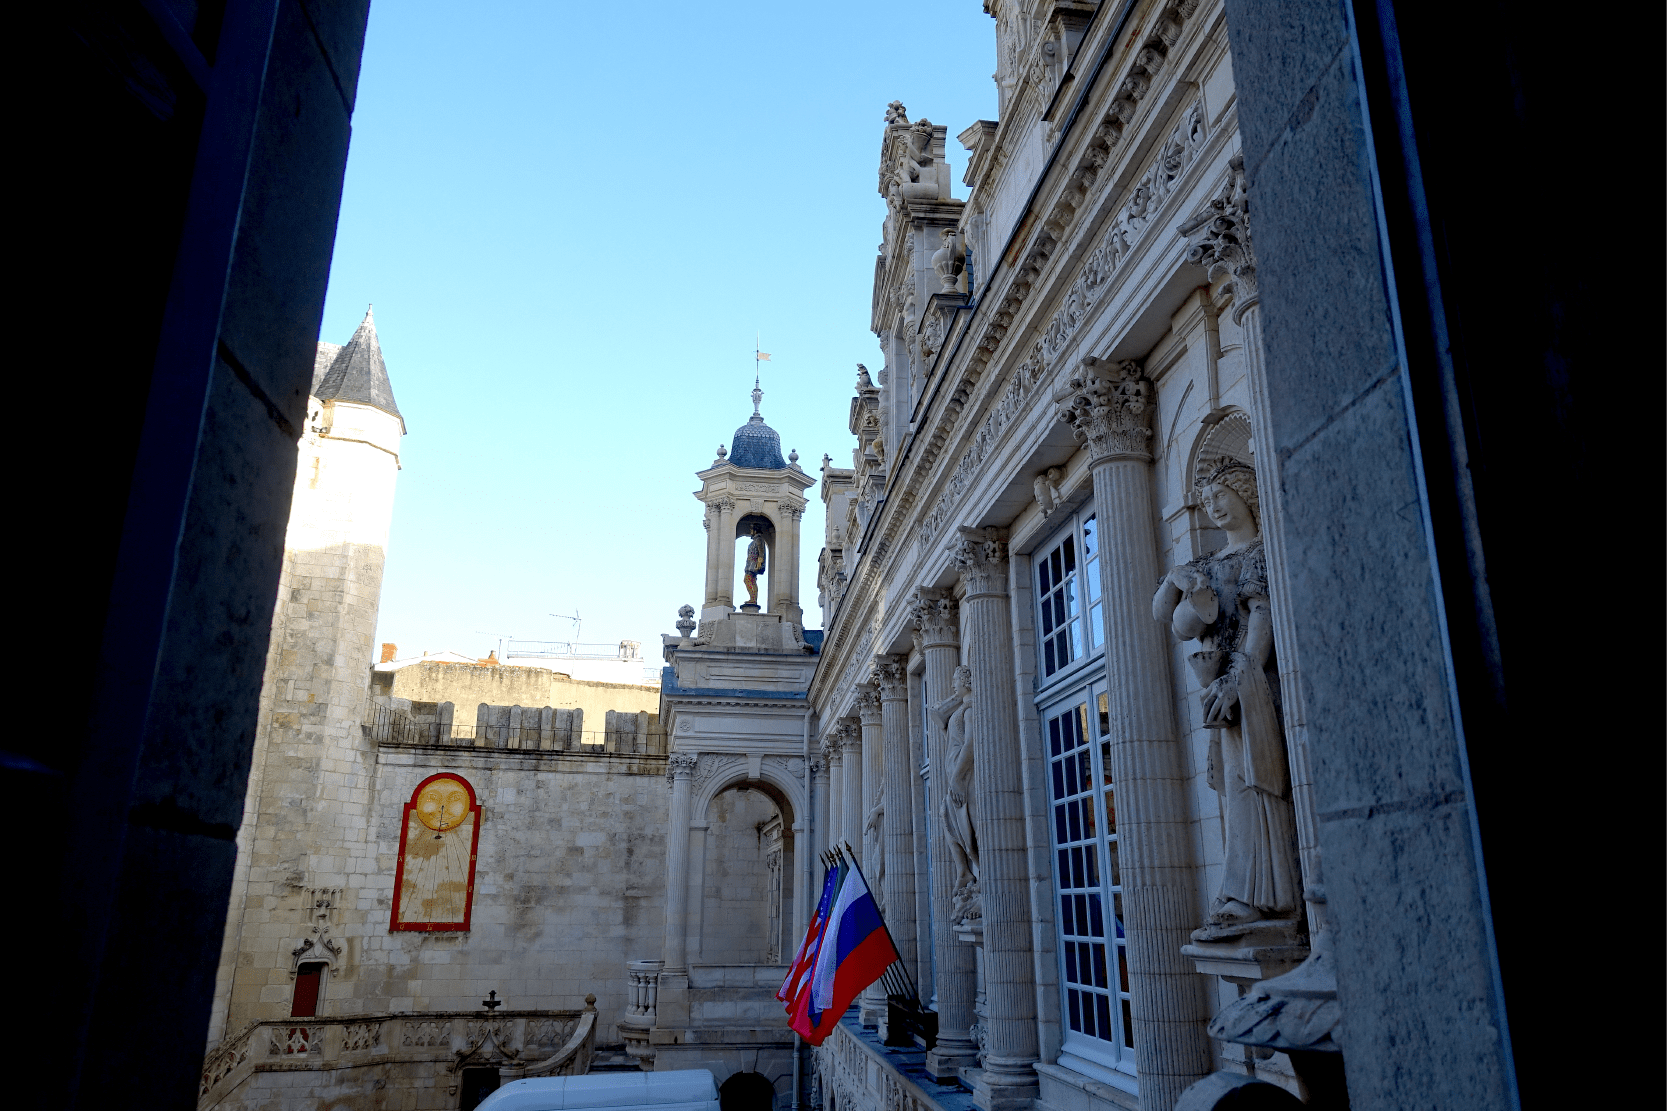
(624,651)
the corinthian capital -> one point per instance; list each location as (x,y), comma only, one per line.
(890,675)
(981,556)
(934,615)
(680,765)
(1220,235)
(868,705)
(1109,408)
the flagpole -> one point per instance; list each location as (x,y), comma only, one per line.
(914,993)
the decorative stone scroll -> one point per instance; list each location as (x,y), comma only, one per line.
(1109,408)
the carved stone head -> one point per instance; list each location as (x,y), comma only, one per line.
(1240,479)
(963,680)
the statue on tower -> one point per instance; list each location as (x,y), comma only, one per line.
(754,566)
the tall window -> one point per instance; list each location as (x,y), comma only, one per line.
(1094,978)
(1070,623)
(1093,972)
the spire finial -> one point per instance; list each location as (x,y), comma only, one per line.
(758,357)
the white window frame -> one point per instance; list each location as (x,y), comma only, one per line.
(1077,592)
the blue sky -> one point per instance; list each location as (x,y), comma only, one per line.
(572,219)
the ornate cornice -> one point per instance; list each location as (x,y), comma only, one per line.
(1222,244)
(890,675)
(1109,408)
(981,556)
(935,618)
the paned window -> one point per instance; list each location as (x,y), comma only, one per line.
(1094,978)
(1070,618)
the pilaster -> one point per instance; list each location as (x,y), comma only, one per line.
(1008,1078)
(674,979)
(1109,409)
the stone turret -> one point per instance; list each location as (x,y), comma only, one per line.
(307,816)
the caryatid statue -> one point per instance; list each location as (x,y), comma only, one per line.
(754,566)
(957,805)
(1221,601)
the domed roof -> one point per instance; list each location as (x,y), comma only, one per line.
(756,444)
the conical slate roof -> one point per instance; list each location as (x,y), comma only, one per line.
(357,373)
(756,444)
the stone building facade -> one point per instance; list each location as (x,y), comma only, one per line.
(359,955)
(1060,693)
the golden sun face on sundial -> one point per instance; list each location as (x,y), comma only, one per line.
(443,804)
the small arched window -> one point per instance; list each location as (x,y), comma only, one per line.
(309,982)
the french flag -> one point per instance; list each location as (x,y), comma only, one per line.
(854,951)
(798,973)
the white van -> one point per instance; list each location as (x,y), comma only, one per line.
(679,1090)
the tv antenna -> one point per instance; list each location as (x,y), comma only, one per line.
(574,617)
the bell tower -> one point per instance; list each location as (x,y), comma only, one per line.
(750,490)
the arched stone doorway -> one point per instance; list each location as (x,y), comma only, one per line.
(746,1091)
(744,910)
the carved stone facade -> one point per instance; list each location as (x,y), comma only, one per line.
(1066,350)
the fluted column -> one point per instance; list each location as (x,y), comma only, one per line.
(873,779)
(680,769)
(1010,1046)
(833,829)
(726,552)
(890,676)
(817,843)
(917,807)
(850,743)
(1109,408)
(935,616)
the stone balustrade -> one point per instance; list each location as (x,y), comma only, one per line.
(422,1053)
(642,1003)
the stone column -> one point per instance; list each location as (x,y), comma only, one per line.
(674,979)
(1109,408)
(709,521)
(833,824)
(850,733)
(726,552)
(817,843)
(934,615)
(870,796)
(784,577)
(1010,1045)
(891,677)
(917,807)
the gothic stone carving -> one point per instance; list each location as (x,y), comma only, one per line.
(1109,408)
